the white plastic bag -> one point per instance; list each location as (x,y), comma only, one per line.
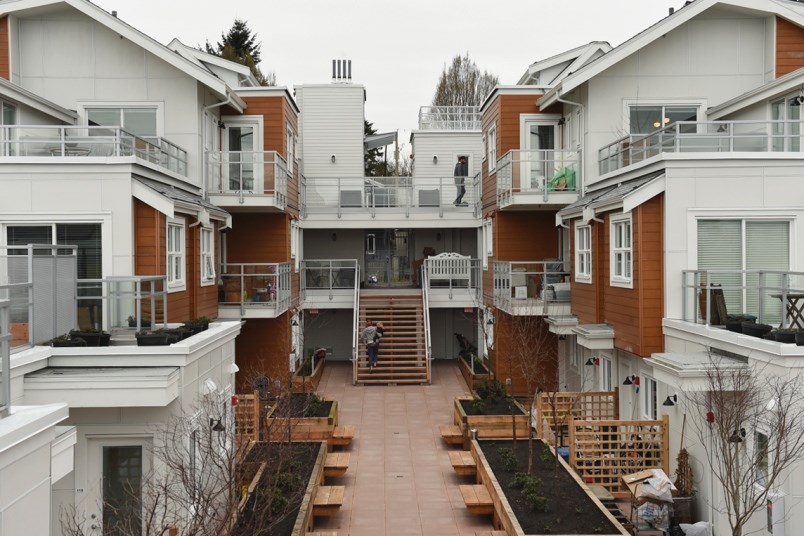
(701,528)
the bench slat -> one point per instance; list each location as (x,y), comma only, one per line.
(477,499)
(336,463)
(462,462)
(328,499)
(342,435)
(451,434)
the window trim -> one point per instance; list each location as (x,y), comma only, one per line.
(583,277)
(491,148)
(210,278)
(701,104)
(488,241)
(82,107)
(575,355)
(650,406)
(614,223)
(606,365)
(178,284)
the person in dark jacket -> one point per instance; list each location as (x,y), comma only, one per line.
(461,172)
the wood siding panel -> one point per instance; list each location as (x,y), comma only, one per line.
(261,238)
(525,236)
(789,47)
(586,297)
(508,128)
(5,49)
(262,349)
(532,334)
(491,117)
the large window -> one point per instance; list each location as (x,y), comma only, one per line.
(727,246)
(621,253)
(583,253)
(87,236)
(175,254)
(645,119)
(207,256)
(140,121)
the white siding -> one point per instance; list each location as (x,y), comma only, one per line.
(446,146)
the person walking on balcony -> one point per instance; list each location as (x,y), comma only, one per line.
(461,172)
(371,337)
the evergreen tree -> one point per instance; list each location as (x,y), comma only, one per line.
(240,45)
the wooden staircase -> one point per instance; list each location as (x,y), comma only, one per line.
(403,353)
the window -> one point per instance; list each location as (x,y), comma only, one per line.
(605,373)
(295,239)
(646,119)
(583,253)
(140,121)
(575,356)
(86,236)
(488,241)
(762,457)
(491,148)
(175,254)
(122,489)
(649,406)
(289,142)
(621,257)
(207,256)
(786,135)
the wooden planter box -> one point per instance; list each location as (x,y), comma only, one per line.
(490,426)
(308,384)
(504,514)
(302,428)
(472,380)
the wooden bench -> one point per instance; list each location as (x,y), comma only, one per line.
(451,434)
(477,499)
(328,499)
(447,267)
(462,462)
(341,436)
(336,464)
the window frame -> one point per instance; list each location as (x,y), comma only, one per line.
(83,108)
(207,279)
(700,104)
(759,458)
(488,241)
(606,379)
(650,398)
(575,355)
(615,251)
(582,276)
(179,283)
(491,148)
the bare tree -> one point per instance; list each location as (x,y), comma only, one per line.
(462,83)
(739,399)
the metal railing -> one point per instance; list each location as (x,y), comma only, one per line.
(328,274)
(456,272)
(397,195)
(256,285)
(355,326)
(537,172)
(773,296)
(248,173)
(530,283)
(137,301)
(89,141)
(702,137)
(450,118)
(5,358)
(428,343)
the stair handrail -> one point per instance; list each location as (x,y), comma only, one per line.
(356,327)
(426,303)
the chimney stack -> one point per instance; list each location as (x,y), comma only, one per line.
(114,14)
(341,71)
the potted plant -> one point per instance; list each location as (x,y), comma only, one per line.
(786,335)
(93,337)
(132,322)
(66,341)
(756,330)
(800,338)
(180,333)
(152,338)
(735,322)
(197,325)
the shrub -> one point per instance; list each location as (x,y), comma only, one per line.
(508,458)
(492,390)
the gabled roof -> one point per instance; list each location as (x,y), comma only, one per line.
(788,83)
(575,58)
(32,100)
(202,59)
(627,195)
(126,31)
(787,9)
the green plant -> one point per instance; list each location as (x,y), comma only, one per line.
(598,530)
(547,529)
(492,390)
(546,455)
(508,458)
(531,490)
(478,405)
(478,361)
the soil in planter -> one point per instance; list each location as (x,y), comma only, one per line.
(490,407)
(569,509)
(302,405)
(295,462)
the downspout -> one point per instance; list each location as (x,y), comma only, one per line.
(582,136)
(204,110)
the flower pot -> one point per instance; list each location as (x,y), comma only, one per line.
(93,338)
(735,322)
(132,323)
(786,336)
(69,343)
(755,330)
(800,338)
(152,339)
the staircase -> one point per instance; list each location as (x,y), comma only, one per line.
(402,348)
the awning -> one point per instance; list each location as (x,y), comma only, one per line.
(168,200)
(625,196)
(687,371)
(379,140)
(595,336)
(562,325)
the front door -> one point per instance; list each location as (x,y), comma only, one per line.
(539,144)
(387,258)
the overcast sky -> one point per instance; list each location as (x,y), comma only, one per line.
(398,49)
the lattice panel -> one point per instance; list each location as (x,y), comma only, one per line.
(593,405)
(247,417)
(603,451)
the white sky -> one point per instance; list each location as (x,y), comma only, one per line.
(398,49)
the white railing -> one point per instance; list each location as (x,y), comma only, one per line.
(356,327)
(248,173)
(428,344)
(450,118)
(328,274)
(537,172)
(702,137)
(388,195)
(89,141)
(530,283)
(5,358)
(772,296)
(137,301)
(453,271)
(256,285)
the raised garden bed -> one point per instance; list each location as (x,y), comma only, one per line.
(301,417)
(566,504)
(307,378)
(493,422)
(303,465)
(480,374)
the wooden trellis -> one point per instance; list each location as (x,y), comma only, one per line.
(247,417)
(602,451)
(595,405)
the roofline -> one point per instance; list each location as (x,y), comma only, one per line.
(267,91)
(783,84)
(511,90)
(132,34)
(23,96)
(555,59)
(206,57)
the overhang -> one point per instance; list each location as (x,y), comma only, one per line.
(168,200)
(562,325)
(103,387)
(625,196)
(379,140)
(22,96)
(595,336)
(687,371)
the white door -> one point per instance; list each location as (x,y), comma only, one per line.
(242,145)
(538,141)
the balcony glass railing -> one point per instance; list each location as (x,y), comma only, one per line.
(537,172)
(138,302)
(530,283)
(702,137)
(248,173)
(773,297)
(400,195)
(89,141)
(5,359)
(451,273)
(449,118)
(256,285)
(328,275)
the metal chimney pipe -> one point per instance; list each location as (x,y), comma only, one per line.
(350,70)
(333,69)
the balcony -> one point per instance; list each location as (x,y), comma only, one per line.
(461,118)
(401,197)
(56,143)
(538,177)
(532,288)
(703,137)
(329,283)
(122,302)
(254,290)
(452,280)
(247,179)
